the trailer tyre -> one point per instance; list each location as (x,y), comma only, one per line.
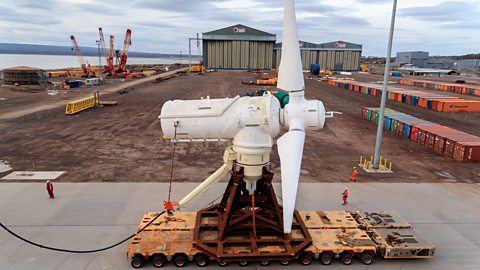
(305,259)
(264,262)
(158,261)
(346,259)
(285,262)
(180,261)
(222,263)
(201,260)
(366,258)
(243,263)
(137,261)
(326,258)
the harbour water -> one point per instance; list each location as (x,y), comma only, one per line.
(64,61)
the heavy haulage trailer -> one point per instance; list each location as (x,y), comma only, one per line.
(244,229)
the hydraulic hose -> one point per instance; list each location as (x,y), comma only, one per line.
(80,251)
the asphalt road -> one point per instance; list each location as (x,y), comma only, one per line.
(93,215)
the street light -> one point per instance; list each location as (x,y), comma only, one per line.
(378,143)
(99,57)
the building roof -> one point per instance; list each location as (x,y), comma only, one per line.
(239,32)
(425,70)
(21,68)
(334,45)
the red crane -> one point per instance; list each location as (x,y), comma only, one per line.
(126,45)
(85,66)
(111,54)
(107,67)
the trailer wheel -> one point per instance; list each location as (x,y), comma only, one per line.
(285,262)
(201,260)
(305,259)
(243,263)
(326,258)
(180,260)
(366,258)
(137,261)
(264,262)
(346,259)
(222,263)
(158,261)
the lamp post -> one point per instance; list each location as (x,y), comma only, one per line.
(99,58)
(378,143)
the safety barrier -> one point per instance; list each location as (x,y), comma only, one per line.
(80,105)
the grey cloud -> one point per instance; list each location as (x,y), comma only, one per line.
(177,5)
(36,4)
(99,9)
(156,24)
(12,15)
(443,12)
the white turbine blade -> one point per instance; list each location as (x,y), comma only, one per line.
(290,150)
(290,73)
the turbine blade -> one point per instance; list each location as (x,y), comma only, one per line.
(290,150)
(290,73)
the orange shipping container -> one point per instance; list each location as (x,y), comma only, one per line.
(458,106)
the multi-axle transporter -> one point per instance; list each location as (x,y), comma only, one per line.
(335,235)
(246,228)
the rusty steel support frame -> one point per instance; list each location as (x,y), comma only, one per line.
(236,237)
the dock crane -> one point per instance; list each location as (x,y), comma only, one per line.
(108,67)
(126,45)
(111,54)
(83,64)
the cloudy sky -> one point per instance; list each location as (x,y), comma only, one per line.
(440,27)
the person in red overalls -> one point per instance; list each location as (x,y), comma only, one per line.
(50,189)
(354,175)
(345,196)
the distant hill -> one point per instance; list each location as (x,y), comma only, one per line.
(13,48)
(459,57)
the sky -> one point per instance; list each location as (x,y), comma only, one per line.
(164,26)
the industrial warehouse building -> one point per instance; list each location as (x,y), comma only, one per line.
(418,59)
(336,56)
(243,47)
(238,47)
(24,75)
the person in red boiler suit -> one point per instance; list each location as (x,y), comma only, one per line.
(50,190)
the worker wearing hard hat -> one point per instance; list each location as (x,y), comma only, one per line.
(345,196)
(354,175)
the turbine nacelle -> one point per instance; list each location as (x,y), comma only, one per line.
(302,114)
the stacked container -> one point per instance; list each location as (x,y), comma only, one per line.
(444,140)
(466,89)
(436,102)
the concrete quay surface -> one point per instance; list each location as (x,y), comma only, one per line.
(94,215)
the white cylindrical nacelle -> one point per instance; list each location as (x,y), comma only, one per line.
(308,114)
(215,119)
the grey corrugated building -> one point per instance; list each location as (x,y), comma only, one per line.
(238,47)
(418,59)
(336,56)
(243,47)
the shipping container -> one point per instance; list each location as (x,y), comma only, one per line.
(467,151)
(422,99)
(473,90)
(441,139)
